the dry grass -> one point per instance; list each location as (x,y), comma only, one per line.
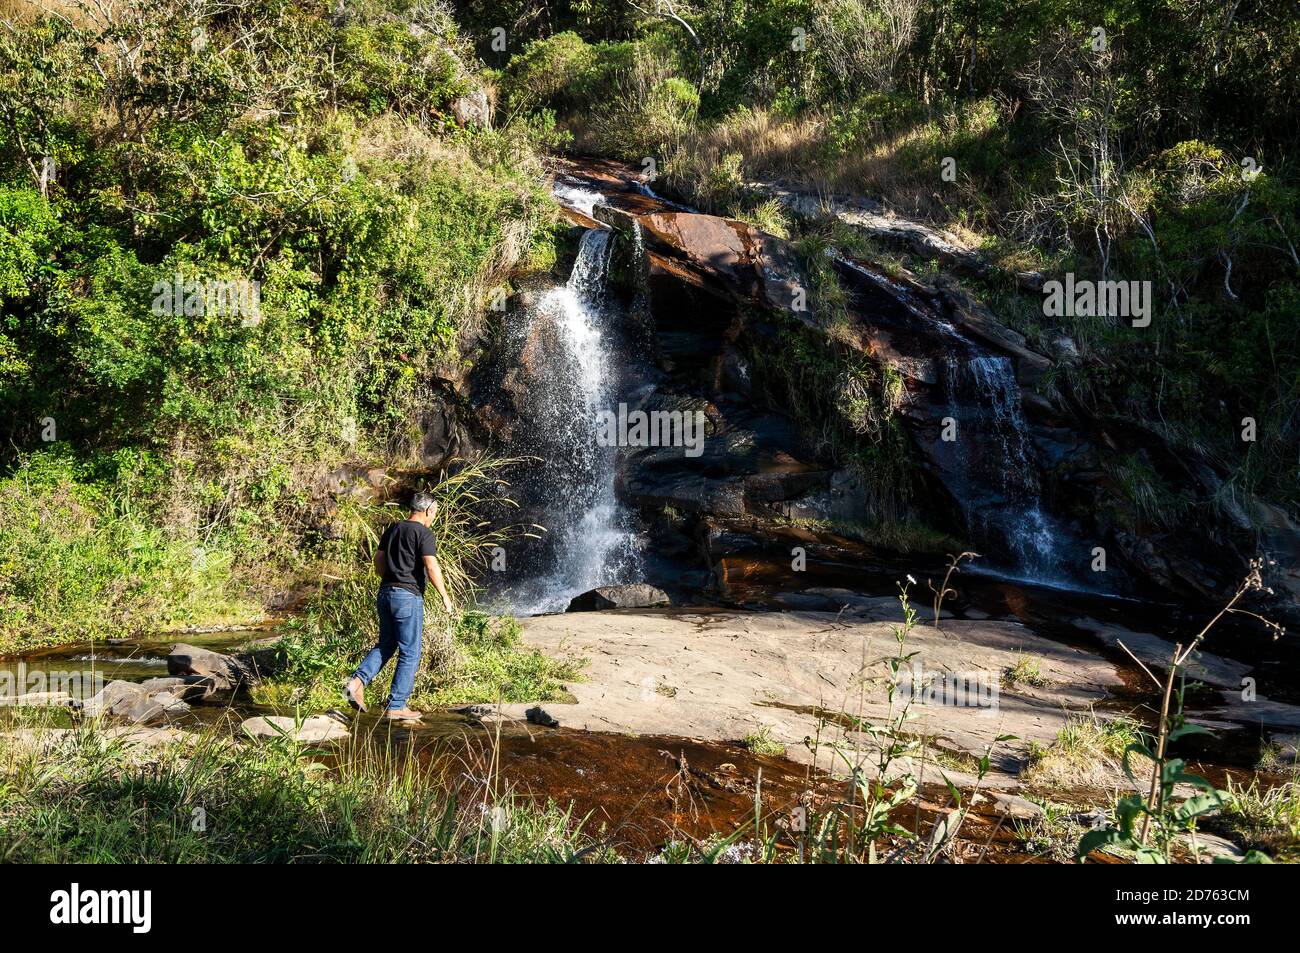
(25,10)
(794,151)
(1088,753)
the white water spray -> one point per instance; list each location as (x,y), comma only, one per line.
(591,535)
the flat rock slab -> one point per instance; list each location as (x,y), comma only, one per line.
(39,700)
(1257,711)
(315,729)
(728,675)
(140,744)
(1156,653)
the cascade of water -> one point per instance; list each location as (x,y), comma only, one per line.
(576,197)
(591,538)
(1003,497)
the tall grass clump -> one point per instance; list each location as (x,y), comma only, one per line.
(83,796)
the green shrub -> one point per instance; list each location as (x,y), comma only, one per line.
(79,560)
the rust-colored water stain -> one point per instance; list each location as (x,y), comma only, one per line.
(644,791)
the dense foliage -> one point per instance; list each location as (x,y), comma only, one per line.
(1115,139)
(240,243)
(308,161)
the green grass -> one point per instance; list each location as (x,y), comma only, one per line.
(1049,835)
(1087,753)
(1266,817)
(78,559)
(81,796)
(1028,670)
(762,742)
(1272,758)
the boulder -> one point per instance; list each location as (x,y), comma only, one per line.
(315,729)
(155,709)
(114,699)
(193,689)
(226,672)
(473,109)
(637,595)
(135,703)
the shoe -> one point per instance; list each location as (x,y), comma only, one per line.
(403,714)
(357,698)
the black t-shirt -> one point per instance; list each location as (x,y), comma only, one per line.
(404,545)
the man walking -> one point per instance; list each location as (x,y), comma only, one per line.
(407,555)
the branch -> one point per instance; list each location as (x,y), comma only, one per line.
(665,11)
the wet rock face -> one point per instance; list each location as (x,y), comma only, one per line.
(751,263)
(444,438)
(719,298)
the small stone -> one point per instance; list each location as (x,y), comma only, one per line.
(1207,847)
(539,716)
(1012,805)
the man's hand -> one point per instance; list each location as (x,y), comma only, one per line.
(434,572)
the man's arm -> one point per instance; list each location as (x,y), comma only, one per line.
(434,572)
(381,563)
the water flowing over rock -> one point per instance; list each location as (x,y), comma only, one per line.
(568,377)
(967,374)
(991,463)
(667,309)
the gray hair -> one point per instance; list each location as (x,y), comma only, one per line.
(422,501)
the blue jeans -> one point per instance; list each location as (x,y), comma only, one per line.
(401,630)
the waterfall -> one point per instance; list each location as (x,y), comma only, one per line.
(990,465)
(994,458)
(589,535)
